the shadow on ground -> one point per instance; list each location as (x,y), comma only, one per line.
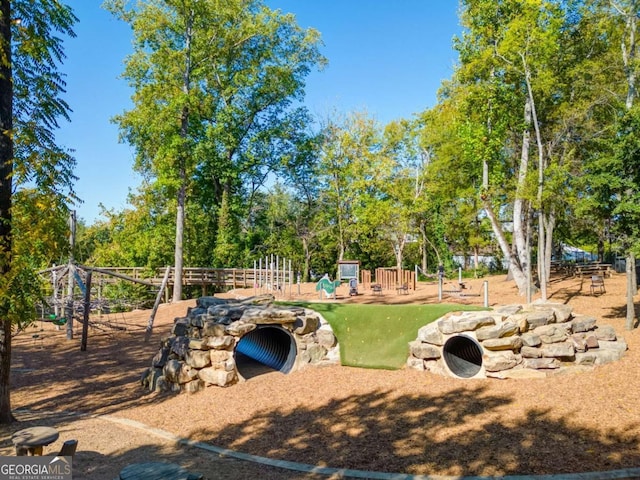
(89,464)
(424,434)
(52,373)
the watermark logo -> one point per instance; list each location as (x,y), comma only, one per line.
(35,468)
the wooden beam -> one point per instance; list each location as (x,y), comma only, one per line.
(149,329)
(119,275)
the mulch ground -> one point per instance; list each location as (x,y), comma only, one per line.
(390,421)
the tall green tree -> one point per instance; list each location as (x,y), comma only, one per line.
(213,87)
(449,208)
(490,96)
(301,176)
(403,188)
(226,252)
(616,165)
(519,56)
(31,105)
(352,164)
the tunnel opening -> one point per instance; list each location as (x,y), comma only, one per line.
(266,349)
(463,356)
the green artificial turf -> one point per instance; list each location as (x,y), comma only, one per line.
(377,336)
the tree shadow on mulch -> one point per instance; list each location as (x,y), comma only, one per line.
(89,464)
(424,434)
(52,373)
(566,294)
(621,312)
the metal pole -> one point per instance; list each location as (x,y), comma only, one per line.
(439,288)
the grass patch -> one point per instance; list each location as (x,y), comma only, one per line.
(377,336)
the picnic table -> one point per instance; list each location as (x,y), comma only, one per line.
(31,441)
(561,267)
(589,269)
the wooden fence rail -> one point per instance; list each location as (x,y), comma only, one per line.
(262,280)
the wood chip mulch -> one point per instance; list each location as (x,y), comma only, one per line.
(389,421)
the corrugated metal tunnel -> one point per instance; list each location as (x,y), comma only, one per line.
(270,346)
(463,356)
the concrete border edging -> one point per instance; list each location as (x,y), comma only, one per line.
(622,474)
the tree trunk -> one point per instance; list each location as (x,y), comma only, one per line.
(182,191)
(423,247)
(631,290)
(69,307)
(542,262)
(178,252)
(399,265)
(601,248)
(629,60)
(529,284)
(6,188)
(550,225)
(5,373)
(520,260)
(515,268)
(476,257)
(398,250)
(542,244)
(306,274)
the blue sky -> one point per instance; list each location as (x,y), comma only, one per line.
(386,57)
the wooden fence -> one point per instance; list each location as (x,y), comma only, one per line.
(388,278)
(218,278)
(262,280)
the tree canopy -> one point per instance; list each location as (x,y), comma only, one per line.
(36,173)
(529,145)
(214,91)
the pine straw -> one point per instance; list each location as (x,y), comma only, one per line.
(392,421)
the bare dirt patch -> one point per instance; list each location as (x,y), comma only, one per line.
(392,421)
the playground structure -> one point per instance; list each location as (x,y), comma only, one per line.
(75,297)
(384,278)
(389,278)
(76,291)
(271,274)
(328,287)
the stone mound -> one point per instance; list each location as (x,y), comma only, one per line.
(514,341)
(202,348)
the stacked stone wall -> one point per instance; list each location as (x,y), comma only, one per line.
(200,351)
(516,341)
